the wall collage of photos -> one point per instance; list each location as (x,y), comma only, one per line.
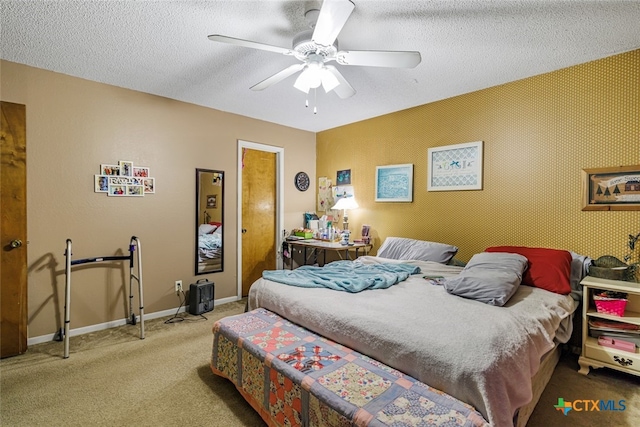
(124,179)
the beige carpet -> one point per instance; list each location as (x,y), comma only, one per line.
(113,378)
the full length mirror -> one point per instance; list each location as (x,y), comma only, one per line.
(209,220)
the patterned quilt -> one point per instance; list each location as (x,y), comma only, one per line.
(294,377)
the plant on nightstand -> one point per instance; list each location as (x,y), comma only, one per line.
(634,268)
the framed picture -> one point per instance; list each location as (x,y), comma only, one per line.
(126,168)
(117,190)
(340,191)
(135,190)
(212,202)
(149,185)
(101,184)
(394,183)
(455,167)
(141,172)
(344,177)
(611,189)
(124,179)
(110,170)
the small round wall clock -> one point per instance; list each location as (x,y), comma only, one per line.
(302,181)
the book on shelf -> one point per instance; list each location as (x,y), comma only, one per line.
(617,343)
(633,338)
(613,326)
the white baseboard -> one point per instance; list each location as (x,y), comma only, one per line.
(121,322)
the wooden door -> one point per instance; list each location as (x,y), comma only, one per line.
(13,234)
(258,215)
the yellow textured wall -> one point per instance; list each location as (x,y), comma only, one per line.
(538,133)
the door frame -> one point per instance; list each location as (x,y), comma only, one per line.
(279,152)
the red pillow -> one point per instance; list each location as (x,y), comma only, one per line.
(549,269)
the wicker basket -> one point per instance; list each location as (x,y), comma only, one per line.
(612,306)
(608,273)
(610,267)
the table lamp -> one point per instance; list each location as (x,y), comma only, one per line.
(345,203)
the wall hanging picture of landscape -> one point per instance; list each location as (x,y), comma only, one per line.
(611,189)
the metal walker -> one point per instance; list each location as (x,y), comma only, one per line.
(133,244)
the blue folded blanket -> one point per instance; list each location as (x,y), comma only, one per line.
(345,276)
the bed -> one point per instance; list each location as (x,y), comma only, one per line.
(210,246)
(494,351)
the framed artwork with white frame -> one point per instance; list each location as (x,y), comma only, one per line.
(117,190)
(141,171)
(126,168)
(124,179)
(101,184)
(149,185)
(394,183)
(135,190)
(111,170)
(455,167)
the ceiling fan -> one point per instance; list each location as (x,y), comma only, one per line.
(316,47)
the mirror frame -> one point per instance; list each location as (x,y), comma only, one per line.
(201,214)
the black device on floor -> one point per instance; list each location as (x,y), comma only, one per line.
(201,297)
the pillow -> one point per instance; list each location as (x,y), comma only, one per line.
(549,269)
(206,228)
(491,278)
(579,269)
(404,248)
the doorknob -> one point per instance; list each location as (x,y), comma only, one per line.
(16,243)
(244,230)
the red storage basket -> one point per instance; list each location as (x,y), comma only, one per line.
(612,306)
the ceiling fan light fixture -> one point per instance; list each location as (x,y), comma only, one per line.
(310,78)
(315,47)
(329,81)
(303,82)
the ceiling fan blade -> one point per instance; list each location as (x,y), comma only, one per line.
(278,77)
(344,89)
(378,58)
(333,15)
(248,43)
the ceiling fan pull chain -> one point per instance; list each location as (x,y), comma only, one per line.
(315,101)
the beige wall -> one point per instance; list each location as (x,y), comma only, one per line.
(538,133)
(73,126)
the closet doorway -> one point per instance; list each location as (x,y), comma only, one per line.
(260,210)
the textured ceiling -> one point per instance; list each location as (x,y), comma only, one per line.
(161,47)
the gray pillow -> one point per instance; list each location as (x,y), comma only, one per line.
(489,277)
(405,248)
(579,268)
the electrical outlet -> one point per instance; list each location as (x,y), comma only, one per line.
(178,286)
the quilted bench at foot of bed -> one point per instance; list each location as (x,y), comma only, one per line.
(292,376)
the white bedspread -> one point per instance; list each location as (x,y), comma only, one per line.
(481,354)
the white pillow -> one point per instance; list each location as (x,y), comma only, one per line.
(404,248)
(206,228)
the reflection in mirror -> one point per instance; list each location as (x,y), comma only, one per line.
(209,220)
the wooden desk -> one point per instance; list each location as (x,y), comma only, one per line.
(316,246)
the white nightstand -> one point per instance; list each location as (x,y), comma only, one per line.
(598,356)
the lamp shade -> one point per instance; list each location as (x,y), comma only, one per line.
(346,203)
(313,76)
